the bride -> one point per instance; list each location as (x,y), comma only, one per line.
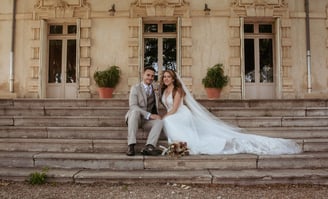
(188,121)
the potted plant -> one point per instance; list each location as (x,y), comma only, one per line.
(106,80)
(214,81)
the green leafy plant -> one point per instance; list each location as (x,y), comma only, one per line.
(215,77)
(108,78)
(38,177)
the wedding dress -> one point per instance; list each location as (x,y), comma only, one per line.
(206,134)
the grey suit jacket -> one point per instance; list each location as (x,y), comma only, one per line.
(138,100)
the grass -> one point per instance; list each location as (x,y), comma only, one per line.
(37,178)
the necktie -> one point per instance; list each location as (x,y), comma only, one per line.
(148,90)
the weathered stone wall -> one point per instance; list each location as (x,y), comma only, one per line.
(205,40)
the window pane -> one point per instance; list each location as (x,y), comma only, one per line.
(151,52)
(169,27)
(248,28)
(55,58)
(56,29)
(150,28)
(266,60)
(71,29)
(169,54)
(249,61)
(71,62)
(265,28)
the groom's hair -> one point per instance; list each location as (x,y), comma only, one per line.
(149,68)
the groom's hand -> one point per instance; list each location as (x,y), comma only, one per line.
(155,117)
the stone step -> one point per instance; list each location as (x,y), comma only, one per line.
(290,132)
(102,121)
(74,121)
(110,145)
(84,141)
(121,111)
(69,145)
(67,132)
(274,103)
(240,161)
(269,112)
(115,102)
(215,177)
(64,111)
(22,174)
(24,102)
(114,161)
(121,132)
(279,176)
(252,122)
(117,161)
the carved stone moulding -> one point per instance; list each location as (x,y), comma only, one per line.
(160,8)
(275,3)
(58,8)
(259,8)
(259,11)
(60,3)
(160,11)
(159,2)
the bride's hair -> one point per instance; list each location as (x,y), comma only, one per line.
(176,83)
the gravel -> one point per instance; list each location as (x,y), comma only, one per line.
(23,190)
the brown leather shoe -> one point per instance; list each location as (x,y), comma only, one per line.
(150,150)
(130,151)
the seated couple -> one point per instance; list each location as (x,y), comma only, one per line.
(188,121)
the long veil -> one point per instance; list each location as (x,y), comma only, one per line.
(237,140)
(200,112)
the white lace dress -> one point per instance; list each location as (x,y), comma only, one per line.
(205,135)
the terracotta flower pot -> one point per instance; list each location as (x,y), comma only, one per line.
(105,92)
(213,93)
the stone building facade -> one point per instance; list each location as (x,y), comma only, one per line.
(51,48)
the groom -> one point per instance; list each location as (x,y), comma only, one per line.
(143,112)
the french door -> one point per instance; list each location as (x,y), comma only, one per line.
(259,61)
(160,46)
(61,73)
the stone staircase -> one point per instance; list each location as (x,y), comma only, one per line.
(85,141)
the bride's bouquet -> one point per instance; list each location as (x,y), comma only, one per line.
(176,149)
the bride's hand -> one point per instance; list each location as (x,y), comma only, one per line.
(155,117)
(164,116)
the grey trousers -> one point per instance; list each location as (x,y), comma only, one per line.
(135,121)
